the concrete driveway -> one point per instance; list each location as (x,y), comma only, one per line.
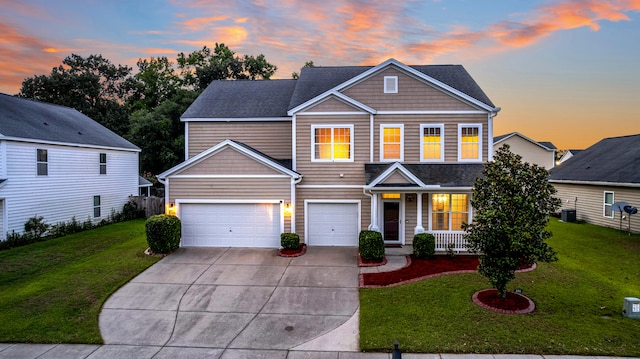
(218,299)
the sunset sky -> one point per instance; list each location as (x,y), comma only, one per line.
(563,71)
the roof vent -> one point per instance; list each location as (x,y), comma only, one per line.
(46,124)
(80,133)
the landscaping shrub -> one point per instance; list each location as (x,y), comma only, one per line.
(130,211)
(35,227)
(163,233)
(289,241)
(424,245)
(371,245)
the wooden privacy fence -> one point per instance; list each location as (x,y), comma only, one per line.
(150,205)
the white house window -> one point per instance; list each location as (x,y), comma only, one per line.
(42,162)
(96,206)
(448,211)
(391,84)
(103,163)
(608,201)
(432,143)
(470,142)
(391,143)
(332,143)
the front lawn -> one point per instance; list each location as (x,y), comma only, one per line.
(578,304)
(52,292)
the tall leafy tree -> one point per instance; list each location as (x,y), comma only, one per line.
(91,85)
(200,68)
(155,82)
(512,205)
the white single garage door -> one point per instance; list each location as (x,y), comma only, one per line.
(332,224)
(230,224)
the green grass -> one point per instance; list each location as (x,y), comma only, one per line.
(578,304)
(52,292)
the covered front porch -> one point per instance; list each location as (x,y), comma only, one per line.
(407,199)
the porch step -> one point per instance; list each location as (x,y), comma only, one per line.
(398,251)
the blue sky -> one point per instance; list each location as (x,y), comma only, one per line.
(564,71)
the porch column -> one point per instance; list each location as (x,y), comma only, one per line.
(419,228)
(374,213)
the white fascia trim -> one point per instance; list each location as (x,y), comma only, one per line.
(330,113)
(234,119)
(524,138)
(596,183)
(453,112)
(328,94)
(330,186)
(426,189)
(225,201)
(68,144)
(228,143)
(230,176)
(403,171)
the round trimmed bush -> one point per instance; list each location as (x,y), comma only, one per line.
(424,245)
(371,245)
(163,233)
(289,241)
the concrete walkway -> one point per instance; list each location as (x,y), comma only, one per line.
(238,303)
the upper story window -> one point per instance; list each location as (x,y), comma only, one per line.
(103,163)
(448,211)
(470,142)
(608,201)
(431,143)
(391,143)
(391,84)
(332,143)
(42,162)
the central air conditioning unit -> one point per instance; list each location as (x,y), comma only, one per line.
(631,308)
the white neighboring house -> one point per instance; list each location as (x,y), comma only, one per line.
(57,163)
(540,153)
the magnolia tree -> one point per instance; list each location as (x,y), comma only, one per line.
(512,203)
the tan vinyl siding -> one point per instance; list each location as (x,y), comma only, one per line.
(412,94)
(590,203)
(333,105)
(329,172)
(410,218)
(337,194)
(272,138)
(396,178)
(412,133)
(229,188)
(229,162)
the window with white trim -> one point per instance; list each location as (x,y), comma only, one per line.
(391,84)
(448,211)
(469,142)
(432,143)
(607,211)
(42,162)
(332,143)
(96,206)
(103,163)
(391,143)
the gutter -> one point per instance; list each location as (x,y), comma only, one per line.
(596,183)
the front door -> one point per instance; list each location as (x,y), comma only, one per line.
(391,222)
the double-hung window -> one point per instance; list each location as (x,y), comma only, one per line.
(332,143)
(391,143)
(42,162)
(448,211)
(431,143)
(103,163)
(96,206)
(470,142)
(608,201)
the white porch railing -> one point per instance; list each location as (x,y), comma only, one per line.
(453,240)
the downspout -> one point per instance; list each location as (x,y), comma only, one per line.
(371,134)
(293,143)
(294,182)
(490,117)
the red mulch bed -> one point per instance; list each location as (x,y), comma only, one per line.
(514,303)
(289,253)
(418,269)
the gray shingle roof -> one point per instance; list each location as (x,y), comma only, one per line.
(30,119)
(548,145)
(272,98)
(443,174)
(615,159)
(243,99)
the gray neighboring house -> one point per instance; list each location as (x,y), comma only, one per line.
(539,153)
(57,163)
(603,174)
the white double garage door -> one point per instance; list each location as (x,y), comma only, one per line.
(260,224)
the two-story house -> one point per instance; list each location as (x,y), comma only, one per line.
(59,164)
(391,148)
